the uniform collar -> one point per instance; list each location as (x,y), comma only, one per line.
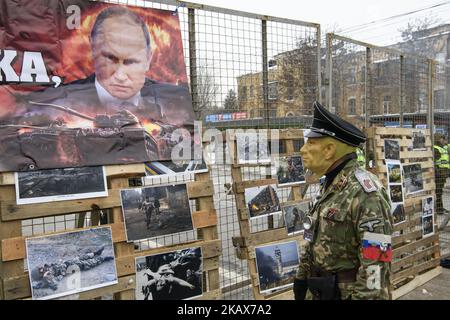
(337,168)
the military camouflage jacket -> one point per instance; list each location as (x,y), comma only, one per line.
(354,205)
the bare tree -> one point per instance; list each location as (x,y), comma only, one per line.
(206,94)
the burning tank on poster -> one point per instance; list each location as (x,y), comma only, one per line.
(112,139)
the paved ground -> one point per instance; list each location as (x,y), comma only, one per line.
(435,289)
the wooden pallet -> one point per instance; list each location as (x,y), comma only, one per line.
(413,255)
(14,282)
(247,241)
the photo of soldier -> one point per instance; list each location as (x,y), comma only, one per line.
(175,275)
(121,102)
(288,170)
(293,215)
(418,141)
(427,226)
(262,200)
(394,172)
(427,206)
(71,262)
(413,178)
(276,265)
(156,211)
(396,193)
(391,150)
(60,184)
(398,213)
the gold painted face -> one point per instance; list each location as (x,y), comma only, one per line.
(314,155)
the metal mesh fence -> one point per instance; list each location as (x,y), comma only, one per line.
(378,86)
(245,71)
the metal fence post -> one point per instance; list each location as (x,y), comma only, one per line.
(401,90)
(193,62)
(330,69)
(430,120)
(265,72)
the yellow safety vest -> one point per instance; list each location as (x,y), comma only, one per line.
(361,158)
(443,161)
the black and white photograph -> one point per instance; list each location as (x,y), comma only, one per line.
(60,184)
(394,172)
(175,275)
(427,226)
(413,178)
(70,262)
(293,216)
(262,200)
(156,211)
(398,213)
(175,167)
(288,170)
(277,265)
(418,140)
(396,193)
(252,148)
(427,206)
(392,149)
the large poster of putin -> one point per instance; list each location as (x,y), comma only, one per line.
(86,83)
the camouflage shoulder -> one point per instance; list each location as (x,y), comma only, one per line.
(368,180)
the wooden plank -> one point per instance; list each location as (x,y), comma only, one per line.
(240,187)
(14,248)
(291,134)
(19,288)
(11,211)
(263,237)
(198,189)
(210,295)
(415,270)
(417,282)
(414,245)
(396,265)
(7,178)
(125,170)
(398,131)
(406,237)
(203,219)
(407,224)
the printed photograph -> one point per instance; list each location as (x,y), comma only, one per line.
(173,168)
(394,172)
(155,211)
(277,265)
(392,149)
(418,141)
(71,262)
(175,275)
(413,178)
(293,215)
(78,109)
(396,193)
(262,200)
(60,184)
(427,226)
(252,148)
(288,170)
(427,206)
(398,213)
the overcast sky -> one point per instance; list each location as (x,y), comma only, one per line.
(343,13)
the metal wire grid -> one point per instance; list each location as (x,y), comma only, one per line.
(223,51)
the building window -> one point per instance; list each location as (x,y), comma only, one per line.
(363,105)
(290,87)
(439,99)
(243,93)
(352,75)
(363,74)
(251,91)
(386,104)
(290,114)
(273,91)
(352,106)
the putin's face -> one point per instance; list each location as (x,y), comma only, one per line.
(121,57)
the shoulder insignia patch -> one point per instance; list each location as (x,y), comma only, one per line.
(365,181)
(369,225)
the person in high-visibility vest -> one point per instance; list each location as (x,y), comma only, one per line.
(441,166)
(361,157)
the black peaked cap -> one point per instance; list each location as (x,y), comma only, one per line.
(326,124)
